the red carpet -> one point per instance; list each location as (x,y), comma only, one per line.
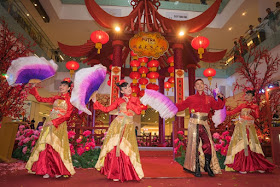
(160,164)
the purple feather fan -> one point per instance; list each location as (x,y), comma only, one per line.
(159,102)
(87,81)
(219,115)
(23,69)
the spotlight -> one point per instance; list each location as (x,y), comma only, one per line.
(117,28)
(181,33)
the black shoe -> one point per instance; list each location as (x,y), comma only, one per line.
(207,167)
(196,173)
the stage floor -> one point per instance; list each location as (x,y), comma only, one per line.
(159,169)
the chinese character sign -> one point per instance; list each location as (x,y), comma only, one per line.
(148,44)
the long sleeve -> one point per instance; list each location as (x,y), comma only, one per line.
(35,93)
(217,105)
(66,117)
(183,105)
(99,106)
(134,105)
(255,111)
(236,110)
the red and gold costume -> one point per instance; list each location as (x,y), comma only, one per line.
(51,154)
(119,157)
(198,129)
(245,153)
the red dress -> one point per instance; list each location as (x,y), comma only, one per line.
(245,153)
(119,157)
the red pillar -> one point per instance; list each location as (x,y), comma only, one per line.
(191,75)
(178,66)
(116,73)
(161,124)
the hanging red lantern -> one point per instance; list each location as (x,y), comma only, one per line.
(170,60)
(99,37)
(153,65)
(143,61)
(171,71)
(209,73)
(133,55)
(171,80)
(72,66)
(134,64)
(134,76)
(141,93)
(167,86)
(153,76)
(152,86)
(200,43)
(143,71)
(143,107)
(135,90)
(143,82)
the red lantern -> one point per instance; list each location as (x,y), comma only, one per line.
(134,76)
(209,73)
(135,90)
(170,60)
(171,71)
(72,66)
(153,64)
(141,93)
(200,43)
(152,87)
(143,71)
(143,82)
(167,86)
(153,76)
(143,61)
(109,82)
(171,80)
(134,64)
(99,37)
(133,55)
(143,107)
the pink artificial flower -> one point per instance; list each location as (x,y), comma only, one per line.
(72,149)
(79,140)
(26,140)
(21,127)
(222,142)
(91,144)
(36,132)
(216,136)
(180,132)
(29,133)
(224,151)
(33,143)
(216,146)
(175,150)
(222,137)
(80,151)
(20,143)
(71,134)
(87,148)
(40,128)
(18,134)
(176,140)
(27,130)
(225,133)
(228,138)
(24,150)
(86,133)
(33,137)
(32,149)
(21,137)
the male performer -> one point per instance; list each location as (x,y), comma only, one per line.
(200,145)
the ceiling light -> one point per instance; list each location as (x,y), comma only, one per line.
(117,28)
(44,17)
(230,28)
(35,4)
(181,33)
(244,13)
(27,14)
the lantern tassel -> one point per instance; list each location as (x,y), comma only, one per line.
(98,46)
(210,79)
(200,52)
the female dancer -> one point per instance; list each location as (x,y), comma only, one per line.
(51,156)
(119,157)
(245,153)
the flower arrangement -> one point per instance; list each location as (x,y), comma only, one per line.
(221,143)
(82,149)
(25,141)
(180,147)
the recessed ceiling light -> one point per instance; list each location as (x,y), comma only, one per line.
(43,17)
(244,13)
(35,4)
(27,14)
(230,28)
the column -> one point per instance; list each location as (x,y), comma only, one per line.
(115,74)
(179,81)
(191,75)
(161,124)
